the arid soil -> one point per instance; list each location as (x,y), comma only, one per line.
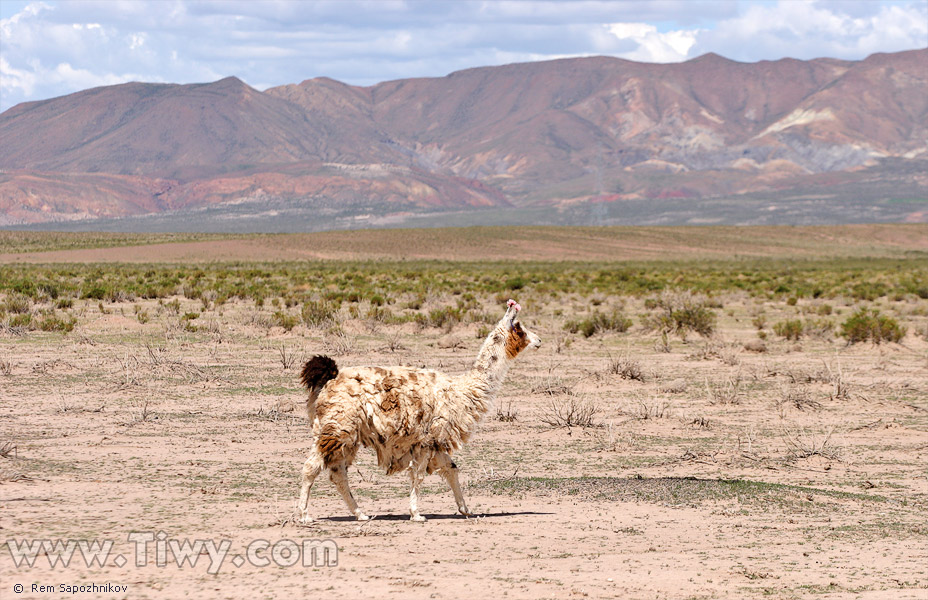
(706,467)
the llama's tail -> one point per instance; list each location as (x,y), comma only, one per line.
(316,373)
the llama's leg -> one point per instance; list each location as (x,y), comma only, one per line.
(443,464)
(311,470)
(339,477)
(416,475)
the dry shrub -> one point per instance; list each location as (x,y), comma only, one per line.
(728,392)
(757,346)
(508,414)
(289,357)
(803,444)
(337,342)
(626,368)
(550,385)
(676,386)
(797,396)
(645,410)
(570,410)
(840,390)
(7,448)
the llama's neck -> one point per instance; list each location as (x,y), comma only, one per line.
(490,368)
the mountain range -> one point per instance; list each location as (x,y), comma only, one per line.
(708,140)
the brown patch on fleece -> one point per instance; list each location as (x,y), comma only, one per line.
(330,446)
(516,341)
(390,402)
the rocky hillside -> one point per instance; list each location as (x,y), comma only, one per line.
(554,134)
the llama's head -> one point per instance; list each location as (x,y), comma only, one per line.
(515,337)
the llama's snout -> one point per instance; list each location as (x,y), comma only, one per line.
(534,342)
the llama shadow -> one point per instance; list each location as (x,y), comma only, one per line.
(430,517)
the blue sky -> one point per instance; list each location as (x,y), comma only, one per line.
(53,47)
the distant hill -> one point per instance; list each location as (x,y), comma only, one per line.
(570,140)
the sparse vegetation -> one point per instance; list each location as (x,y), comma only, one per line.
(183,387)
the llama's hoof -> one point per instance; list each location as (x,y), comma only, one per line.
(466,512)
(362,517)
(417,518)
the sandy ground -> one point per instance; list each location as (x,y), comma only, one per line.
(721,473)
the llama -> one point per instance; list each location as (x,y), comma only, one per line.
(413,418)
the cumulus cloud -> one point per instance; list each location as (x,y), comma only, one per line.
(51,48)
(652,45)
(805,30)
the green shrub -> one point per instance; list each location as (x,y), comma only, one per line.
(317,313)
(790,329)
(286,320)
(96,291)
(444,317)
(680,312)
(18,304)
(599,322)
(21,320)
(866,325)
(50,321)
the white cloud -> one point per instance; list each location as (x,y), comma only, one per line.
(15,82)
(808,29)
(654,46)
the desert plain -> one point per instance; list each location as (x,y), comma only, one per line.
(700,421)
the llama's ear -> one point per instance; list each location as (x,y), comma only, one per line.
(512,312)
